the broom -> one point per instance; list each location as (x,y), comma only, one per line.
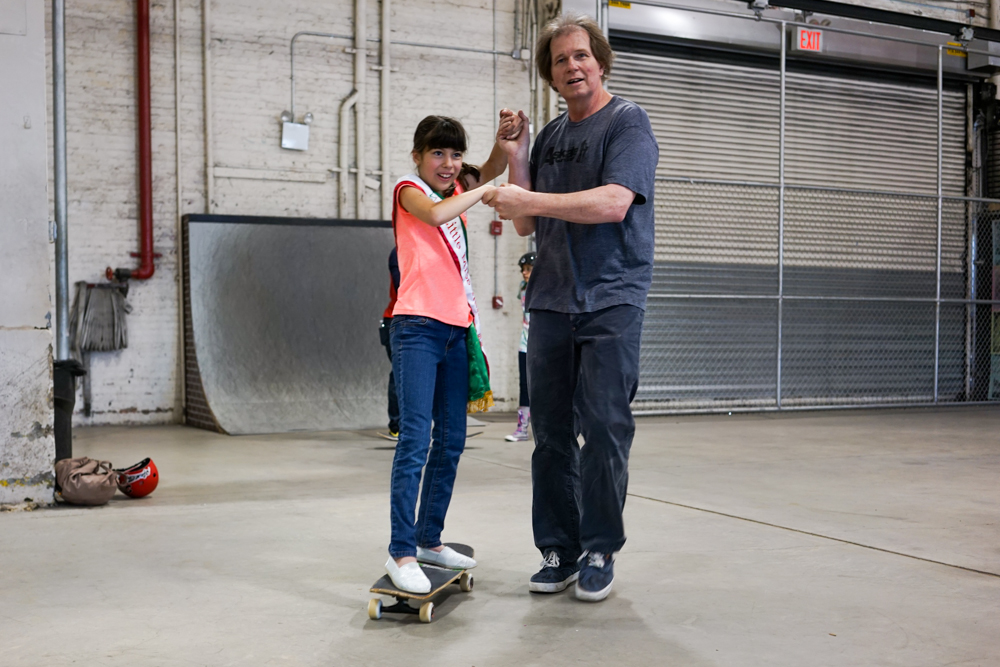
(97,325)
(98,318)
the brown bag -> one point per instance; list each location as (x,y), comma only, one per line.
(85,481)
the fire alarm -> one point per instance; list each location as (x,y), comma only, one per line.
(496,227)
(497,302)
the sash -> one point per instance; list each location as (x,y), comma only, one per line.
(456,239)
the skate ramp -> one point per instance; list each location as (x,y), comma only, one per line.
(281,323)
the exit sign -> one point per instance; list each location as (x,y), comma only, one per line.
(806,39)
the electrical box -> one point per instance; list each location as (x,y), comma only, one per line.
(295,136)
(14,17)
(989,61)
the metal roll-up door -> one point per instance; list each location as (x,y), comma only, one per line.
(859,246)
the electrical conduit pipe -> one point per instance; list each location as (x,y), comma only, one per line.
(360,66)
(145,254)
(344,171)
(995,25)
(355,100)
(384,115)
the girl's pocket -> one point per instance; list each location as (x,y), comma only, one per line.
(410,321)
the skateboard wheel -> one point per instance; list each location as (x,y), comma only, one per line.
(375,609)
(427,612)
(465,582)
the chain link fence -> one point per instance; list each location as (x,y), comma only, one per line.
(837,298)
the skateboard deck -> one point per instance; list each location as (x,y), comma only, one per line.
(440,579)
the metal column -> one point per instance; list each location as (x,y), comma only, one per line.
(781,210)
(971,220)
(937,270)
(59,169)
(65,370)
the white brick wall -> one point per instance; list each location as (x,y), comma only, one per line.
(939,9)
(250,88)
(250,69)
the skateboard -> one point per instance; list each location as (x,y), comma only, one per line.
(386,436)
(440,578)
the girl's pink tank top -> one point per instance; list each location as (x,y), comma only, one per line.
(429,281)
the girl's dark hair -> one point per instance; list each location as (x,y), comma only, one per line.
(440,132)
(443,132)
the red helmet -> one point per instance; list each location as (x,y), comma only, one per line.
(138,480)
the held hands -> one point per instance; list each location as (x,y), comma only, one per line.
(509,201)
(487,190)
(511,134)
(510,126)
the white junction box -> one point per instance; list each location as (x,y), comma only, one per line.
(295,136)
(13,17)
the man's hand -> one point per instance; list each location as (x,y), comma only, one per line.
(509,201)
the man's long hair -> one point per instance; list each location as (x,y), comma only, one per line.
(562,25)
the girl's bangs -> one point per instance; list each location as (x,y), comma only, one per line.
(446,135)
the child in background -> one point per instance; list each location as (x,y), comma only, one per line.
(383,335)
(437,361)
(520,434)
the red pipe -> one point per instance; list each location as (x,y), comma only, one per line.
(145,254)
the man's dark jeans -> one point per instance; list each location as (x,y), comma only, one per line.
(583,372)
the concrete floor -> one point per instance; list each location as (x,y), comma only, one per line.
(837,538)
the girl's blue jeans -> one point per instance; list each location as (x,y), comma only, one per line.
(431,366)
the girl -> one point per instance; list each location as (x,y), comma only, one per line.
(436,357)
(525,264)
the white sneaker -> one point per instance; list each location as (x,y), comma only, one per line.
(447,557)
(408,577)
(520,434)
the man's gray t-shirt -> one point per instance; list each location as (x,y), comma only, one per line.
(582,268)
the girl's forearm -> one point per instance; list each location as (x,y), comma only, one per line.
(448,209)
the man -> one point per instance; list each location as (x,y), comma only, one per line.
(587,194)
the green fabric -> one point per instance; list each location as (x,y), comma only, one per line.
(479,376)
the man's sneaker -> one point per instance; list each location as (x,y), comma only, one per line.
(554,575)
(596,576)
